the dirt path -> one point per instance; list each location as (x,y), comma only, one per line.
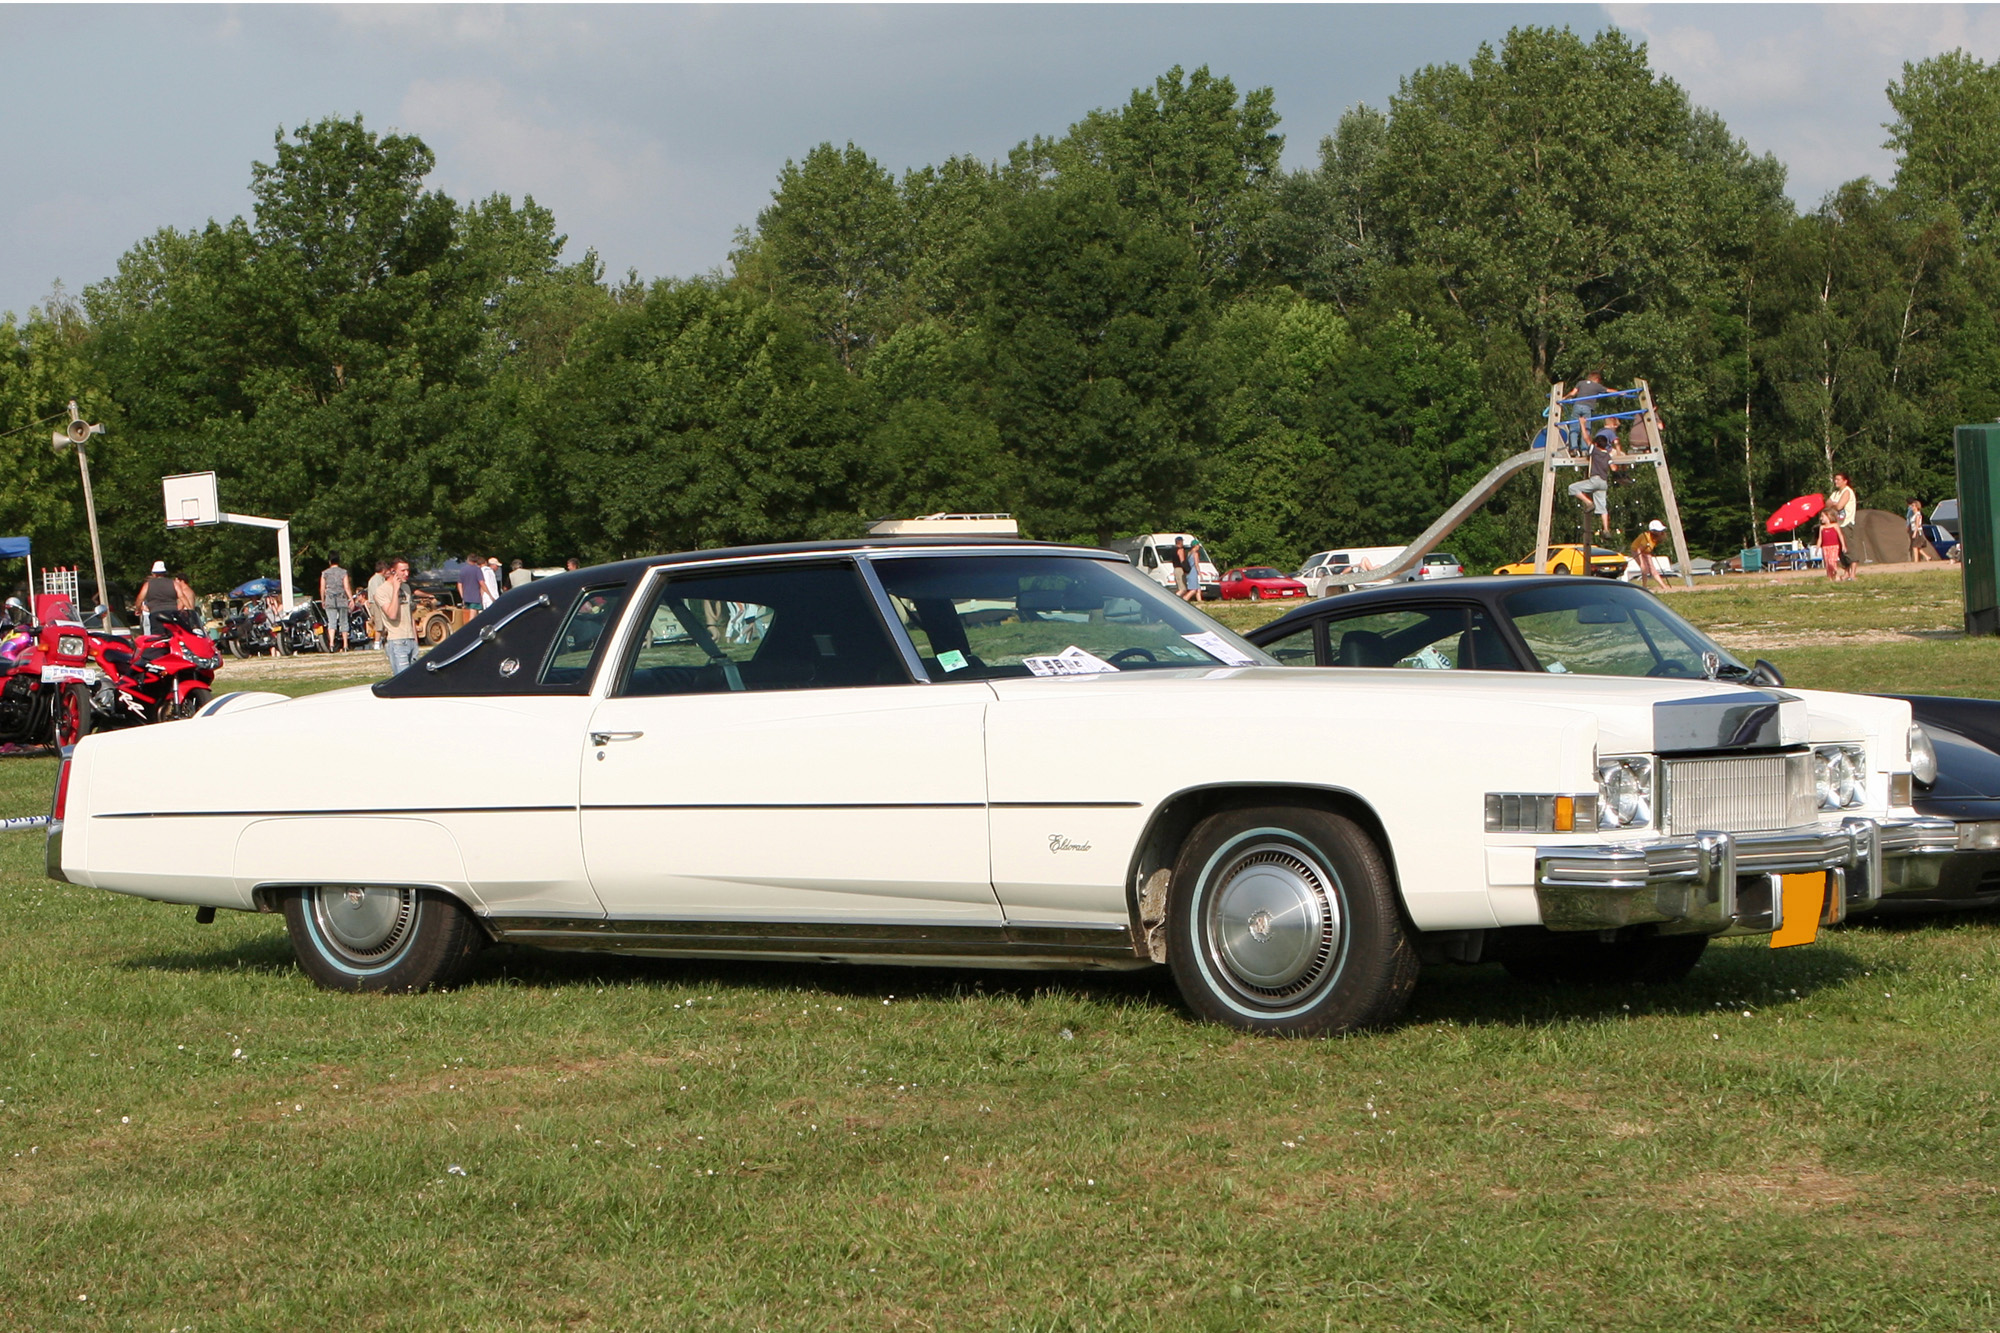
(240,673)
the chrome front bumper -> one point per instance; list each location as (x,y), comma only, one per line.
(1722,883)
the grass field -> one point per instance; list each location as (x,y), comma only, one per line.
(193,1138)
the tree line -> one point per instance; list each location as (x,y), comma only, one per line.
(1144,324)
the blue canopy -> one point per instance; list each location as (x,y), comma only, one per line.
(13,548)
(255,588)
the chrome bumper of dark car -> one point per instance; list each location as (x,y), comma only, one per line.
(1721,883)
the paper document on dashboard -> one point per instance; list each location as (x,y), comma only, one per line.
(1219,648)
(1071,661)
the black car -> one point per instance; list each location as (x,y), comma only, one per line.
(1561,624)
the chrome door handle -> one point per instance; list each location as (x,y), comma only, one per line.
(606,737)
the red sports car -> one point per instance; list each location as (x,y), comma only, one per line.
(1257,582)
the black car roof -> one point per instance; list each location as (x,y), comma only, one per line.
(526,638)
(1485,588)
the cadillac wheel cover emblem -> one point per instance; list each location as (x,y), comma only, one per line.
(510,666)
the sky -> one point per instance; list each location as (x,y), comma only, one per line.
(655,132)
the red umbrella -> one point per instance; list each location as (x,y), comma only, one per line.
(1794,513)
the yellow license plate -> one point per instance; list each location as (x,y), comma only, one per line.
(1804,897)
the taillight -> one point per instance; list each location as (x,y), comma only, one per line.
(62,793)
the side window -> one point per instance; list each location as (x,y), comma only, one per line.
(1436,638)
(787,627)
(1295,649)
(583,637)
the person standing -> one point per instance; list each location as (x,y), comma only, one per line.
(518,576)
(156,597)
(334,593)
(1840,504)
(1645,549)
(184,605)
(471,581)
(392,602)
(1920,545)
(489,581)
(371,612)
(1197,556)
(1178,562)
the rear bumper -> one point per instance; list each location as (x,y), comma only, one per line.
(1722,883)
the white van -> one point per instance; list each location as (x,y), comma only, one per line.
(1153,553)
(1323,564)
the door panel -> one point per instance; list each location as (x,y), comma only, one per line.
(828,805)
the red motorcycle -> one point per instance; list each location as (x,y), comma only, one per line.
(43,702)
(114,682)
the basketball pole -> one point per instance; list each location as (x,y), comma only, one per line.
(78,432)
(199,507)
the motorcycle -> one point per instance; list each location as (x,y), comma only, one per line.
(129,682)
(42,702)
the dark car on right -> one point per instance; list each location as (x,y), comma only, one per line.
(1577,626)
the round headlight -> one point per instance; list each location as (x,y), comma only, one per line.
(1923,755)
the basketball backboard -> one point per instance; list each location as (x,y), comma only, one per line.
(191,501)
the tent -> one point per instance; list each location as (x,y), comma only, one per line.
(1880,538)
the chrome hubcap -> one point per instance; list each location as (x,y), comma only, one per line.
(1273,921)
(365,925)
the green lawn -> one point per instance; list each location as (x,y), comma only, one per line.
(192,1137)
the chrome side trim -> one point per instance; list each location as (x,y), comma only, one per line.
(1690,885)
(1083,942)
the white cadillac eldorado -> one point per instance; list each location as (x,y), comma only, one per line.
(993,754)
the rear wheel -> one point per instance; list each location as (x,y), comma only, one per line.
(73,713)
(1589,961)
(370,938)
(1284,920)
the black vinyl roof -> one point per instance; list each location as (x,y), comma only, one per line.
(1486,589)
(525,639)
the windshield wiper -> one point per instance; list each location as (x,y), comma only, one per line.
(487,634)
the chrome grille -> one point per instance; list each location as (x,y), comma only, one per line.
(1738,794)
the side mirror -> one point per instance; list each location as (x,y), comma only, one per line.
(1765,674)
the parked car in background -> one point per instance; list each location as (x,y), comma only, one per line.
(1323,564)
(1436,565)
(1153,554)
(1257,582)
(1569,559)
(1065,766)
(1563,626)
(1944,514)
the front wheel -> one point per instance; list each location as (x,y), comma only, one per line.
(1256,594)
(349,937)
(1284,919)
(73,713)
(195,701)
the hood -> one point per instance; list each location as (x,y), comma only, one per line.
(1630,711)
(1967,770)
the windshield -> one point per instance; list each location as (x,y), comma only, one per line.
(1262,572)
(1611,629)
(988,617)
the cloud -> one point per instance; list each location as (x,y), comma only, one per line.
(1805,82)
(487,138)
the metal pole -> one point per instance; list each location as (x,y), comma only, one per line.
(285,564)
(1552,425)
(96,548)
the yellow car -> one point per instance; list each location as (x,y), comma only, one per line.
(1569,560)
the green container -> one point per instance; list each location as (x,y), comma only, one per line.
(1979,524)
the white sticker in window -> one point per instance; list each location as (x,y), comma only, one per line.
(1071,661)
(951,660)
(1219,648)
